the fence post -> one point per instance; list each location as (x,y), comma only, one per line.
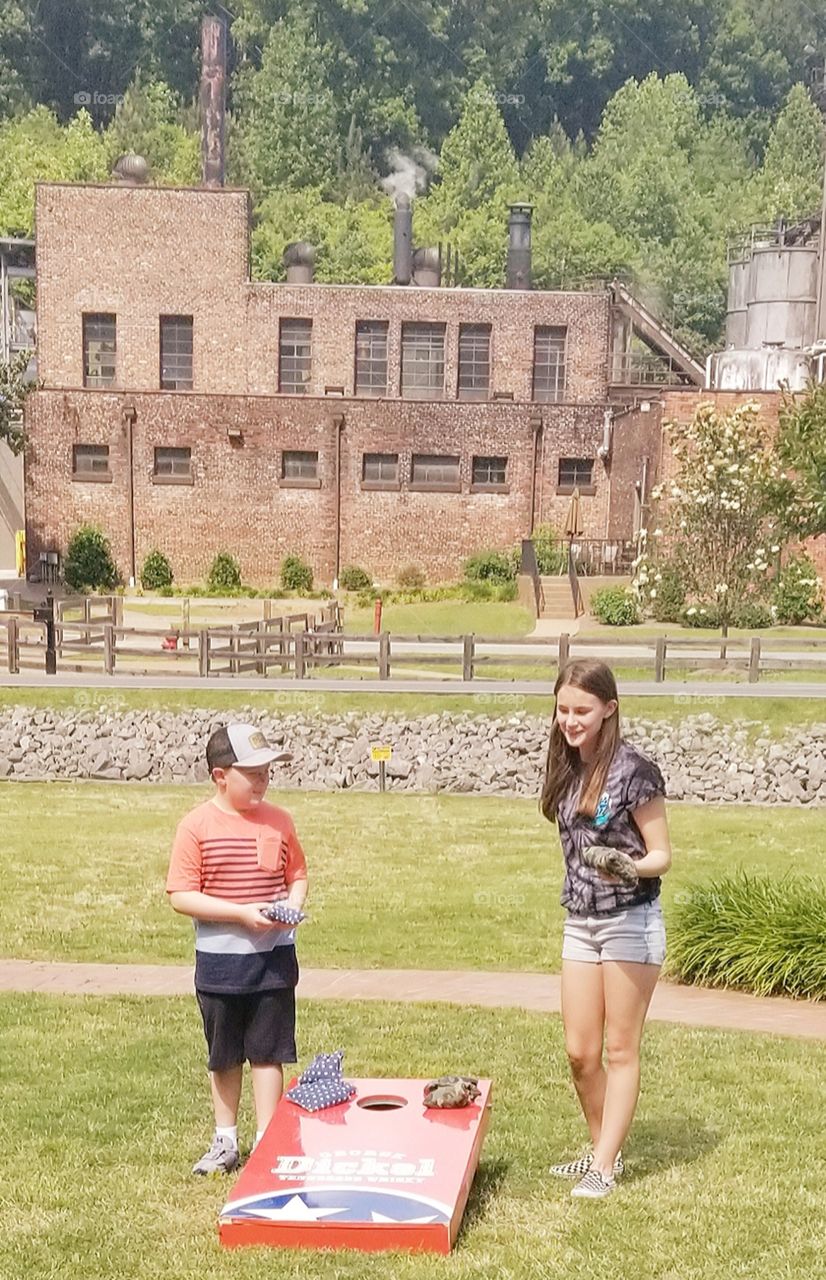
(185,621)
(234,644)
(754,660)
(109,649)
(564,649)
(468,650)
(299,655)
(659,660)
(203,652)
(117,611)
(261,648)
(267,608)
(14,646)
(384,655)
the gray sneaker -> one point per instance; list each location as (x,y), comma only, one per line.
(222,1157)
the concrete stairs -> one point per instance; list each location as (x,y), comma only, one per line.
(556,597)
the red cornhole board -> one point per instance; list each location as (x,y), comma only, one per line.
(360,1177)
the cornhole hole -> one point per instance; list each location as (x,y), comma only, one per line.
(381,1171)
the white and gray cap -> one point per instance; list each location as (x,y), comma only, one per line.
(242,745)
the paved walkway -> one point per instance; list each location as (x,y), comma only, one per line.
(535,992)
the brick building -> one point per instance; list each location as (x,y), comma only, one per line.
(187,408)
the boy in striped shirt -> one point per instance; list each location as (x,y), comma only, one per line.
(232,857)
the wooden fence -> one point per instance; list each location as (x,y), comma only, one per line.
(300,644)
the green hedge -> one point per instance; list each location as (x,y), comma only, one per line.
(753,933)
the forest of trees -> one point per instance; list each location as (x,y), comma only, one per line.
(645,132)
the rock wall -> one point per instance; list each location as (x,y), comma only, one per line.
(702,759)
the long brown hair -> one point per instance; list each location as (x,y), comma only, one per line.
(563,765)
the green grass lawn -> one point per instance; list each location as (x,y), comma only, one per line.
(105,1109)
(444,618)
(589,626)
(401,881)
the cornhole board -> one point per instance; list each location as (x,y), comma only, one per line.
(381,1171)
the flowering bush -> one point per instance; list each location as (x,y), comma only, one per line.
(798,594)
(720,524)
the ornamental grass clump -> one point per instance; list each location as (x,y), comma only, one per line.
(753,933)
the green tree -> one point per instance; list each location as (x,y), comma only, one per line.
(13,391)
(799,494)
(152,122)
(353,241)
(790,181)
(35,147)
(285,124)
(477,164)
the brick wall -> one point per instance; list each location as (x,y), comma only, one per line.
(142,252)
(238,503)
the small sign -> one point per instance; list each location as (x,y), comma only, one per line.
(381,753)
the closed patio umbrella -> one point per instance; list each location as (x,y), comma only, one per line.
(573,520)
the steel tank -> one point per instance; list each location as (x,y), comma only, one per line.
(782,296)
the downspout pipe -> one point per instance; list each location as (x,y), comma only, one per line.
(338,427)
(129,417)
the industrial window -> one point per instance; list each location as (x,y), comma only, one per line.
(423,361)
(380,467)
(474,362)
(488,472)
(99,349)
(371,357)
(299,464)
(173,464)
(90,462)
(435,471)
(576,473)
(295,356)
(549,343)
(176,353)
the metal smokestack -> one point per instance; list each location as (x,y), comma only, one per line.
(519,247)
(402,240)
(213,99)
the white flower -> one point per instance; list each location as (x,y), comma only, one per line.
(658,533)
(653,593)
(775,547)
(721,588)
(691,612)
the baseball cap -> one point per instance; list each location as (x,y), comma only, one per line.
(242,745)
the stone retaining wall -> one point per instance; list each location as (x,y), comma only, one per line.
(701,758)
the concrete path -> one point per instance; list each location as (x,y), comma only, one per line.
(682,692)
(535,992)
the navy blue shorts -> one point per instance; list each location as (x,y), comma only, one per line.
(258,1028)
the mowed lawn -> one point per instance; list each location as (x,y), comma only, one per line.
(399,881)
(105,1109)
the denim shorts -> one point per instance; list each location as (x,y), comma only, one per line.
(636,934)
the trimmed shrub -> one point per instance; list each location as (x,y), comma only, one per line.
(410,578)
(549,548)
(754,933)
(89,564)
(354,578)
(797,595)
(490,566)
(296,575)
(156,572)
(615,607)
(701,615)
(224,575)
(751,615)
(474,591)
(667,605)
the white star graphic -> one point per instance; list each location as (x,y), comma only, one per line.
(401,1222)
(295,1210)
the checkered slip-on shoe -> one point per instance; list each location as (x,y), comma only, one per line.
(579,1167)
(593,1186)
